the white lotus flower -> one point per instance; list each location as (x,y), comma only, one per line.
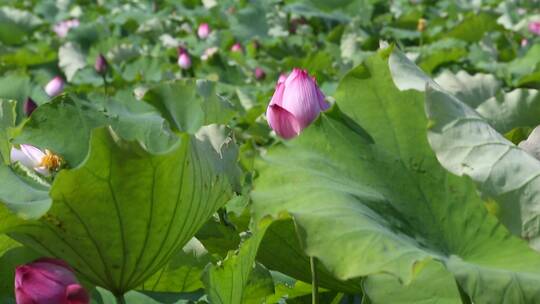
(33,158)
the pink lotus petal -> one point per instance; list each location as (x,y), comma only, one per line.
(301,97)
(283,122)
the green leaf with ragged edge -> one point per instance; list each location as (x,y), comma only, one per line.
(123,213)
(12,254)
(281,250)
(466,144)
(71,59)
(7,123)
(62,126)
(16,24)
(188,105)
(471,89)
(23,197)
(102,296)
(381,203)
(503,110)
(227,282)
(183,272)
(433,285)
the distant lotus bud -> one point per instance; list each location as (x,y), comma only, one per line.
(55,86)
(209,52)
(421,25)
(101,64)
(296,103)
(62,28)
(534,27)
(524,42)
(203,31)
(48,281)
(29,106)
(259,73)
(236,48)
(184,61)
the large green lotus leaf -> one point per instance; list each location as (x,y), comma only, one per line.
(503,110)
(22,196)
(471,89)
(227,283)
(433,285)
(63,126)
(381,203)
(71,59)
(189,104)
(123,213)
(16,24)
(473,27)
(8,117)
(466,144)
(183,272)
(280,250)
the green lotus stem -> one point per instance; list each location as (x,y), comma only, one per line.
(120,299)
(314,281)
(105,83)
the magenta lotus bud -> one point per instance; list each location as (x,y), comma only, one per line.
(55,86)
(295,105)
(534,27)
(203,31)
(237,47)
(48,281)
(29,106)
(184,61)
(259,73)
(180,50)
(101,64)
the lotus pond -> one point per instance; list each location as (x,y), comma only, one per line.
(272,151)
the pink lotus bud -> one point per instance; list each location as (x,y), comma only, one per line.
(534,27)
(29,106)
(101,64)
(296,103)
(203,31)
(184,61)
(48,281)
(55,86)
(524,42)
(259,73)
(62,28)
(237,47)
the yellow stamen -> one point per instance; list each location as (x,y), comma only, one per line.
(50,161)
(422,24)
